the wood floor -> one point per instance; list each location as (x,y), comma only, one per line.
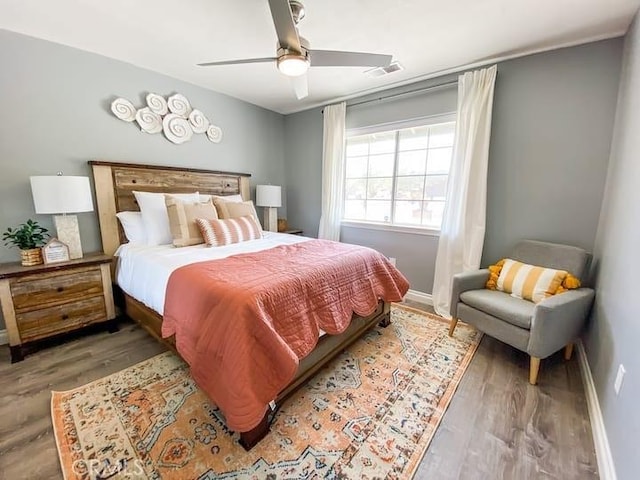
(497,426)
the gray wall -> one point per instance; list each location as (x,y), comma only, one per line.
(406,105)
(55,116)
(303,172)
(615,329)
(552,124)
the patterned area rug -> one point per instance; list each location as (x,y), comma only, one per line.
(370,413)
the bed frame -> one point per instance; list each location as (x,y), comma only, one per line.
(114,186)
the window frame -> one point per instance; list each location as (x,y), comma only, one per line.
(393,127)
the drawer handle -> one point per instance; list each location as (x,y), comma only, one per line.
(59,289)
(65,316)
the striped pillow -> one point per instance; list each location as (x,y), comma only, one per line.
(231,230)
(528,281)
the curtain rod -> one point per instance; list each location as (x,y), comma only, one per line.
(408,92)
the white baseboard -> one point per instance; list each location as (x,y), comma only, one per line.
(417,296)
(606,468)
(4,338)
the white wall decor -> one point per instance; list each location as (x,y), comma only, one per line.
(179,105)
(176,128)
(198,121)
(157,104)
(174,116)
(149,121)
(214,134)
(123,109)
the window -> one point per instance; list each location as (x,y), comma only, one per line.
(399,177)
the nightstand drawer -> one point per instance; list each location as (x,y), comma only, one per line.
(34,292)
(61,318)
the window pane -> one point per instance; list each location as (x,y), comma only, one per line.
(442,135)
(439,160)
(381,165)
(413,138)
(357,146)
(408,213)
(356,189)
(356,167)
(432,214)
(379,210)
(412,163)
(382,143)
(436,187)
(380,188)
(354,209)
(413,190)
(410,188)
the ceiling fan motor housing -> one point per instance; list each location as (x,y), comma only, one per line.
(297,10)
(293,63)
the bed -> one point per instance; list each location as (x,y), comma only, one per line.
(114,184)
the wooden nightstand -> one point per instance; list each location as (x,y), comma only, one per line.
(46,300)
(293,232)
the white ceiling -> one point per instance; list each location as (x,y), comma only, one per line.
(426,36)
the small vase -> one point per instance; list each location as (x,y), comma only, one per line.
(31,257)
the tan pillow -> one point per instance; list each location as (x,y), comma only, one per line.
(232,230)
(222,204)
(182,220)
(243,209)
(235,209)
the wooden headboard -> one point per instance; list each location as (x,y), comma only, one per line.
(115,183)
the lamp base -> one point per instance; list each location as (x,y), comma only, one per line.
(271,219)
(69,233)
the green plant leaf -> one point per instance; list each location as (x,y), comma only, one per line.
(27,235)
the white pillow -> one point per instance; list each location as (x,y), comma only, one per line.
(155,217)
(227,198)
(133,227)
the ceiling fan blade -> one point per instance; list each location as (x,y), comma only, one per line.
(332,58)
(300,86)
(237,62)
(285,26)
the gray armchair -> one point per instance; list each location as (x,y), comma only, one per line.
(537,329)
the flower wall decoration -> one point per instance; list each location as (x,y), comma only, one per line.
(174,116)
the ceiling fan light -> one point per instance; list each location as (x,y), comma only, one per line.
(293,65)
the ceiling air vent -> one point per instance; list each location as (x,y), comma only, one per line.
(380,71)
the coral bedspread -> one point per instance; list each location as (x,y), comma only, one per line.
(243,322)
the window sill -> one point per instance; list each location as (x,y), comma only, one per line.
(391,228)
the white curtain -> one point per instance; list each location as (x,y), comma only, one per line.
(463,225)
(333,142)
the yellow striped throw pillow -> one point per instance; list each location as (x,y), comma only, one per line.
(528,281)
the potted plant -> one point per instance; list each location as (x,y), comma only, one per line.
(28,237)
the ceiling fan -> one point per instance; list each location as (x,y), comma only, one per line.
(294,55)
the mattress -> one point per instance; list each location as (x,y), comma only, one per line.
(143,271)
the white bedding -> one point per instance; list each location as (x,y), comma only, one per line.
(143,271)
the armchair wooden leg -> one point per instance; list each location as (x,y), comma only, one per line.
(568,351)
(452,326)
(533,370)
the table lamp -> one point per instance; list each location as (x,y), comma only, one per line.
(63,194)
(269,197)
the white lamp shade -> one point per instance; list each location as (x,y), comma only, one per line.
(61,194)
(268,196)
